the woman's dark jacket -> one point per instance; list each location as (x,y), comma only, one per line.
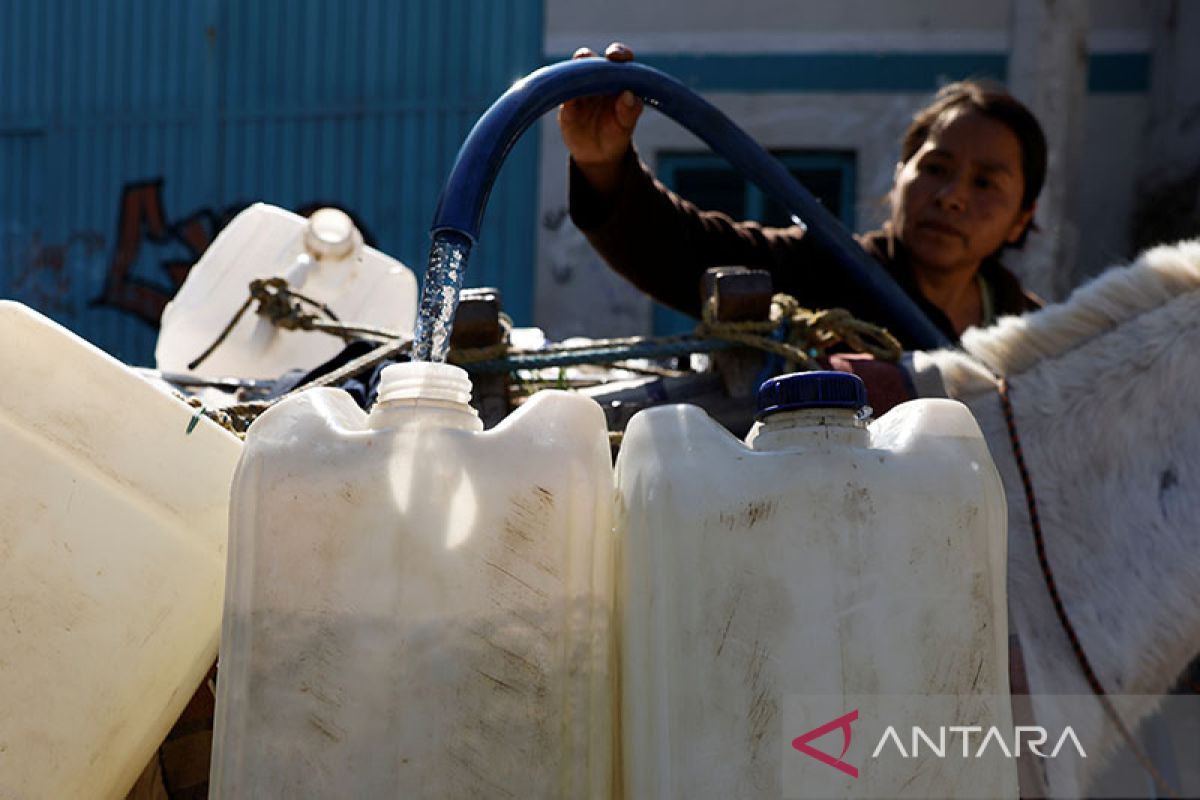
(663,244)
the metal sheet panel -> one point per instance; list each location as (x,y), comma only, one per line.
(364,106)
(130,130)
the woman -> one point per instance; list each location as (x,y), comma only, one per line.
(972,164)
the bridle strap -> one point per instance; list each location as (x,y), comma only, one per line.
(1060,610)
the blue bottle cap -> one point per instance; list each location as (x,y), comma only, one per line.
(811,390)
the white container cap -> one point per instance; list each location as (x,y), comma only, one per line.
(331,234)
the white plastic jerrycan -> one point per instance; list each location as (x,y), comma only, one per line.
(816,578)
(322,258)
(112,561)
(416,607)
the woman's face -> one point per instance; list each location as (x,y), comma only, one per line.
(958,199)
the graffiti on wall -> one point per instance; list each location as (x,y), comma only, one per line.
(42,271)
(143,219)
(112,287)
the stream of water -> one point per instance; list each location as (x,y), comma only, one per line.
(439,297)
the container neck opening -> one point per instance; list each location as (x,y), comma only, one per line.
(424,380)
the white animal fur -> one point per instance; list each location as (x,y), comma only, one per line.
(1106,392)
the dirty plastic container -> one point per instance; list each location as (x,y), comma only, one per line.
(822,558)
(322,257)
(416,607)
(112,561)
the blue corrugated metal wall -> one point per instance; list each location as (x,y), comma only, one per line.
(131,129)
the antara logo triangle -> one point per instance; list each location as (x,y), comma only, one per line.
(842,723)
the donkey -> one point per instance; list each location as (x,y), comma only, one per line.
(1105,389)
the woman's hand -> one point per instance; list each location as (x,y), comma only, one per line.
(598,131)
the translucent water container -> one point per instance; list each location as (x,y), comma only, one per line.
(416,607)
(113,526)
(767,587)
(322,257)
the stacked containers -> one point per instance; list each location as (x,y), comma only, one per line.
(416,607)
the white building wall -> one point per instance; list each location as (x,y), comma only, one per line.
(578,295)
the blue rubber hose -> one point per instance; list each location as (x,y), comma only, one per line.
(465,193)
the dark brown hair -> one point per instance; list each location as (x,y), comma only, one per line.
(994,102)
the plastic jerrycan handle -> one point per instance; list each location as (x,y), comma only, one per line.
(460,207)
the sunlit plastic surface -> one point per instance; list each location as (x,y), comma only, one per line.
(821,559)
(323,258)
(112,561)
(415,607)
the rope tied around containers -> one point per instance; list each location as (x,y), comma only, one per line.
(284,308)
(238,417)
(795,333)
(800,334)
